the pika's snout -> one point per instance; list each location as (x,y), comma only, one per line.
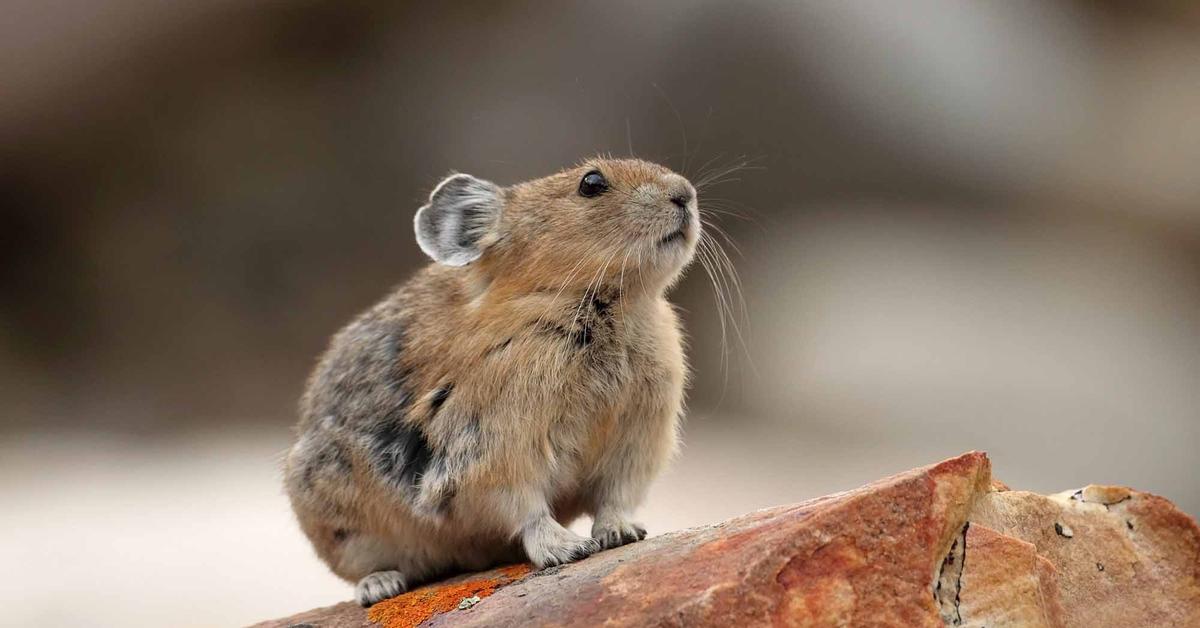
(681,197)
(681,194)
(679,191)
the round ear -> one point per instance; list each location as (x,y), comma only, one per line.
(461,211)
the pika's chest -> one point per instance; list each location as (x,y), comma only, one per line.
(576,362)
(611,351)
(625,370)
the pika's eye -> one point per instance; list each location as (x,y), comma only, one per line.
(593,184)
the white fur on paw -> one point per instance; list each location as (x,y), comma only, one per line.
(616,533)
(379,586)
(552,545)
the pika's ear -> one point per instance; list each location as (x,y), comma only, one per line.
(461,212)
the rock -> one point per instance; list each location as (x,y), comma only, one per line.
(1006,583)
(1118,557)
(939,545)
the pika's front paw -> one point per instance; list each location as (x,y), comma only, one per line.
(548,544)
(615,533)
(566,551)
(379,586)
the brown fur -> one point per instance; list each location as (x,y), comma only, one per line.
(450,426)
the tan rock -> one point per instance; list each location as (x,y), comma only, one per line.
(939,545)
(1005,583)
(1123,558)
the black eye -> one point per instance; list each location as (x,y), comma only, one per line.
(593,184)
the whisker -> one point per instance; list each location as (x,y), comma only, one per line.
(731,208)
(721,232)
(727,268)
(723,174)
(722,314)
(710,165)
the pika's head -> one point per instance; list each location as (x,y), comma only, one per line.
(606,220)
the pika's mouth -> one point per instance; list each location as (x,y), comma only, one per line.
(672,238)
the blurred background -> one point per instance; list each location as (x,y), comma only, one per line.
(964,226)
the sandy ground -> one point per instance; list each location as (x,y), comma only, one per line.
(196,531)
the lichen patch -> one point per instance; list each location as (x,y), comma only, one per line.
(418,605)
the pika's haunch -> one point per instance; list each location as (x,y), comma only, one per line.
(532,374)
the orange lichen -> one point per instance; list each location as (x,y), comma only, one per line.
(418,605)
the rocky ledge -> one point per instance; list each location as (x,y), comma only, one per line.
(938,545)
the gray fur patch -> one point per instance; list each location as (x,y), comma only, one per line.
(330,458)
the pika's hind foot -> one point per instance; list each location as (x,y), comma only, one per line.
(547,543)
(379,586)
(612,533)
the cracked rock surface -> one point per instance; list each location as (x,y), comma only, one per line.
(939,545)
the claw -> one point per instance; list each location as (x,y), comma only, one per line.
(379,586)
(611,535)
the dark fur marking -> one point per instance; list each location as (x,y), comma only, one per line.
(554,330)
(440,396)
(402,453)
(601,306)
(500,347)
(595,318)
(580,338)
(340,534)
(601,315)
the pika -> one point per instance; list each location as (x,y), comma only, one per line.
(533,373)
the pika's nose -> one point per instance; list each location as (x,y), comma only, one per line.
(681,196)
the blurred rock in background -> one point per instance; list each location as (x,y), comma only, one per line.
(964,226)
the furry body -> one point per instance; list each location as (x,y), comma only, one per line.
(466,418)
